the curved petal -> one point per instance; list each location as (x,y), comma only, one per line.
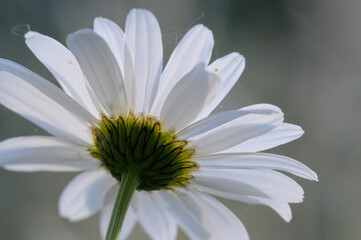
(43,153)
(218,219)
(144,42)
(45,105)
(256,161)
(215,218)
(114,37)
(187,220)
(224,130)
(228,68)
(106,213)
(218,119)
(154,218)
(279,206)
(188,98)
(256,183)
(194,48)
(100,68)
(281,134)
(63,65)
(46,87)
(85,195)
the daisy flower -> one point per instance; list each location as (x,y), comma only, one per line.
(143,137)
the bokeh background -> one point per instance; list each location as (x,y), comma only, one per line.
(304,56)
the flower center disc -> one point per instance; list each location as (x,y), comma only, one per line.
(139,143)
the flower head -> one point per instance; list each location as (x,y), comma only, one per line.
(120,112)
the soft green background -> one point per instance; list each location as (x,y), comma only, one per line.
(304,56)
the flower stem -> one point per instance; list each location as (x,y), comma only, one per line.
(129,182)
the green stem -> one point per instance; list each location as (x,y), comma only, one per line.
(128,184)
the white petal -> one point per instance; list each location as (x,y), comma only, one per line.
(188,98)
(45,105)
(224,130)
(154,218)
(256,161)
(257,183)
(129,76)
(193,209)
(194,48)
(114,37)
(106,213)
(280,207)
(43,153)
(100,68)
(143,39)
(229,68)
(282,134)
(85,195)
(63,65)
(187,220)
(218,119)
(218,219)
(47,88)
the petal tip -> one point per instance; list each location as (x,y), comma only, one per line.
(314,177)
(287,218)
(30,34)
(136,11)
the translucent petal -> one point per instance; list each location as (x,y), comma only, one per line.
(228,68)
(63,65)
(191,224)
(85,195)
(257,183)
(188,98)
(194,48)
(114,37)
(281,134)
(45,105)
(144,42)
(256,161)
(224,130)
(43,153)
(101,69)
(155,219)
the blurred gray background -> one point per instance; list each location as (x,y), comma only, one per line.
(303,56)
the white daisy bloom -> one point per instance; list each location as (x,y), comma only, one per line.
(119,110)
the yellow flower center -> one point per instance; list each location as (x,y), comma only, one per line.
(138,143)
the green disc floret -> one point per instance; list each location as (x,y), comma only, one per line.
(138,143)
